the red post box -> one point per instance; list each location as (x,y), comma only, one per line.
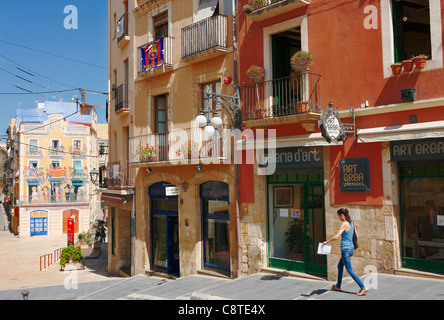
(70,231)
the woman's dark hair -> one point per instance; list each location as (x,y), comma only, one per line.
(344,211)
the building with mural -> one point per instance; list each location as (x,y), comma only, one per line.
(57,145)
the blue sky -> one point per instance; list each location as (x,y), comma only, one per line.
(39,25)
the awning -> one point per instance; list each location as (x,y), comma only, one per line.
(116,198)
(77,183)
(78,167)
(206,9)
(413,131)
(112,198)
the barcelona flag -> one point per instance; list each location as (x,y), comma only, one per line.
(152,55)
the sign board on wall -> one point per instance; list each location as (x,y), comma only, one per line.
(354,175)
(414,150)
(299,157)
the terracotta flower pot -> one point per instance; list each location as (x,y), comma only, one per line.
(407,65)
(396,69)
(420,62)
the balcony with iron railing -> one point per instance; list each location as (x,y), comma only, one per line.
(208,36)
(294,99)
(39,198)
(180,146)
(55,173)
(121,98)
(119,175)
(259,10)
(78,151)
(122,34)
(157,57)
(56,151)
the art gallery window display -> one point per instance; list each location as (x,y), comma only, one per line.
(422,208)
(296,222)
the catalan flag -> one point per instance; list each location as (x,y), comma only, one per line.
(152,55)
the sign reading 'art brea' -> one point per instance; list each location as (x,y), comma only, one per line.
(426,149)
(354,175)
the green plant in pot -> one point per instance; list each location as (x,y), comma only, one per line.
(70,254)
(294,237)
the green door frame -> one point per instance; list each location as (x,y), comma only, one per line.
(307,180)
(418,172)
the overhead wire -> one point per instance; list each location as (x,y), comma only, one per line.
(52,54)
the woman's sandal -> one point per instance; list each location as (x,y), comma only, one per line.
(362,292)
(334,288)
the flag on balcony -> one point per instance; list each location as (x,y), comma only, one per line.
(152,55)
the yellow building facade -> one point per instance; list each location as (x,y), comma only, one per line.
(171,190)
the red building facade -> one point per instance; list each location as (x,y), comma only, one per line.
(389,171)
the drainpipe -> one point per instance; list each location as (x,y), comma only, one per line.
(238,126)
(134,223)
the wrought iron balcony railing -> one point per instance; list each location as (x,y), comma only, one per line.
(210,33)
(282,97)
(121,97)
(119,175)
(186,144)
(122,29)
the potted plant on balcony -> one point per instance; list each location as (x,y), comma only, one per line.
(420,61)
(248,9)
(147,153)
(256,75)
(188,150)
(301,62)
(396,68)
(407,65)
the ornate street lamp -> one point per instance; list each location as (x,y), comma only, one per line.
(94,175)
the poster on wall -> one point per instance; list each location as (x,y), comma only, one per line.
(354,175)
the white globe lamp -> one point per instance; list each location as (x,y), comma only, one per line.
(201,120)
(216,122)
(208,132)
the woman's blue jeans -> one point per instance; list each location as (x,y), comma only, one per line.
(345,260)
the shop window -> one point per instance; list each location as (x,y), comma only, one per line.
(423,218)
(411,28)
(216,225)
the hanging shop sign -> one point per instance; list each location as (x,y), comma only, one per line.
(414,150)
(294,157)
(331,127)
(354,175)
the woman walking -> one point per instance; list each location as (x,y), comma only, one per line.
(347,248)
